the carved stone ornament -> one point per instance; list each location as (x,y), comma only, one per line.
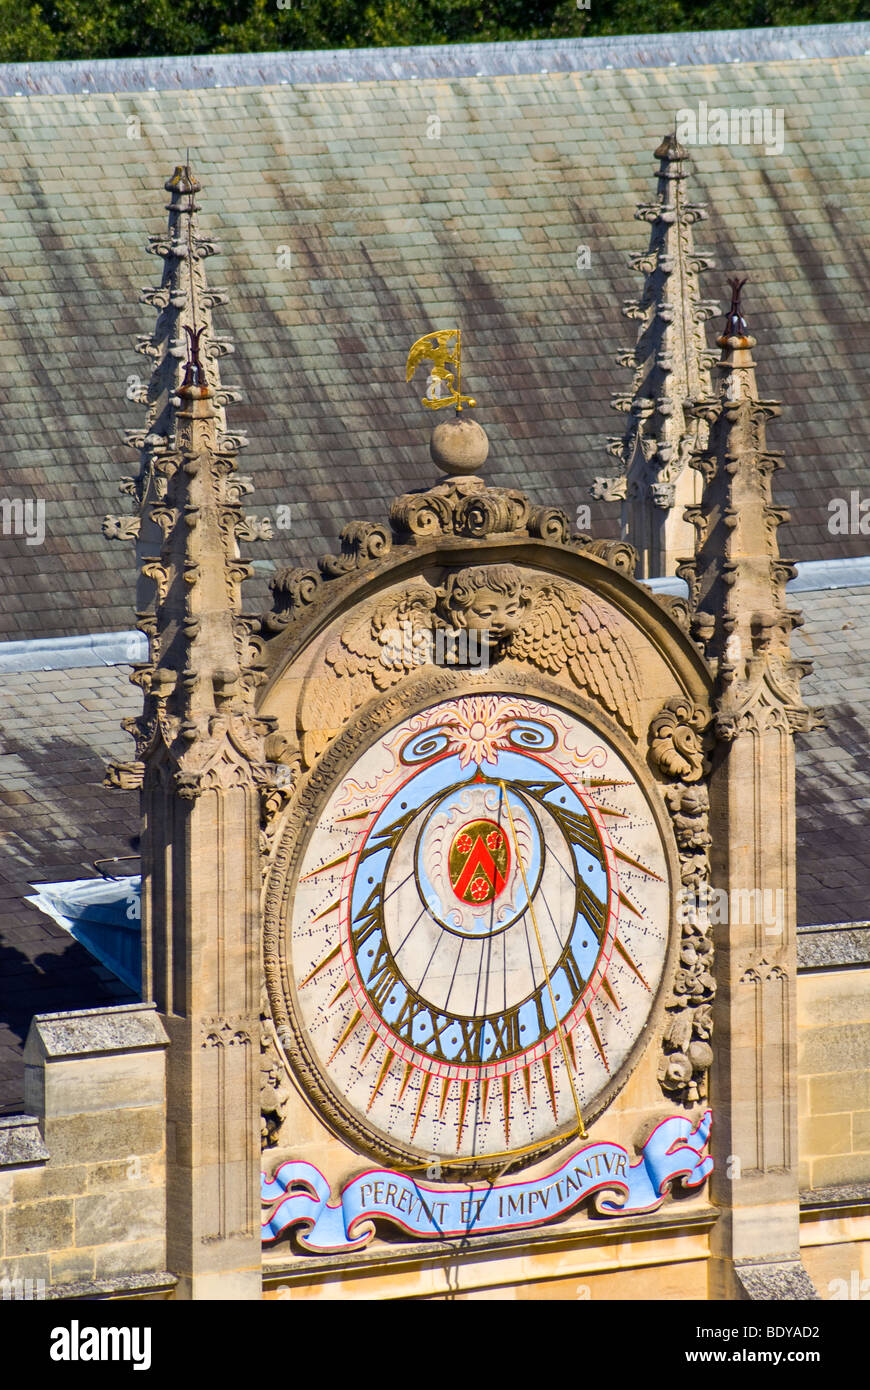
(675,736)
(125,776)
(124,528)
(677,751)
(464,507)
(226,752)
(225,1032)
(609,489)
(544,623)
(768,693)
(274,1088)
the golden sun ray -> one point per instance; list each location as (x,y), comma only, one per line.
(463,1106)
(339,992)
(322,868)
(629,962)
(602,782)
(382,1076)
(506,1101)
(355,815)
(527,1083)
(596,1038)
(608,811)
(326,959)
(335,903)
(373,1037)
(406,1077)
(609,991)
(626,902)
(551,1086)
(351,1024)
(485,1100)
(427,1078)
(636,864)
(445,1092)
(569,1041)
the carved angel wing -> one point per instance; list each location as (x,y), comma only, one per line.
(372,653)
(566,628)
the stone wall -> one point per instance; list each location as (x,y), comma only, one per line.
(834,1072)
(82,1175)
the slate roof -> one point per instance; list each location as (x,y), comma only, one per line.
(833,765)
(390,233)
(56,729)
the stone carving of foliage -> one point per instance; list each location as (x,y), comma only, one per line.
(677,750)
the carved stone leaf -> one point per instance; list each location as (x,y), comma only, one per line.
(676,740)
(124,528)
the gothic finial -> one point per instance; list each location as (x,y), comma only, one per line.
(188,496)
(670,150)
(735,324)
(194,372)
(671,364)
(183,181)
(182,353)
(737,576)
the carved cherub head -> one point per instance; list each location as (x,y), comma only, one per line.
(486,598)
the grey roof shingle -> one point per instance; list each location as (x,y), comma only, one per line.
(391,233)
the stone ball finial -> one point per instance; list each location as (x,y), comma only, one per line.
(459,446)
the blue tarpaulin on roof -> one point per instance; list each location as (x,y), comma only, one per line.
(104,915)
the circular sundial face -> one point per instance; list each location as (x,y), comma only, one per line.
(478,933)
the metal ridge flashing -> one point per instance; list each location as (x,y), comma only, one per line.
(684,49)
(61,653)
(812,576)
(847,573)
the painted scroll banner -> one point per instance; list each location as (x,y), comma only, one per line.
(299,1194)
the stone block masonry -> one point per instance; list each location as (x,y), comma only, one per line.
(834,1067)
(83,1174)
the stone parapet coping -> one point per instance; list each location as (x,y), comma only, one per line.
(833,946)
(851,1194)
(21,1142)
(122,1286)
(87,1032)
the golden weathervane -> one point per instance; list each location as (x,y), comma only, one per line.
(444,350)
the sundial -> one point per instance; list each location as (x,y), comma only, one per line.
(479,931)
